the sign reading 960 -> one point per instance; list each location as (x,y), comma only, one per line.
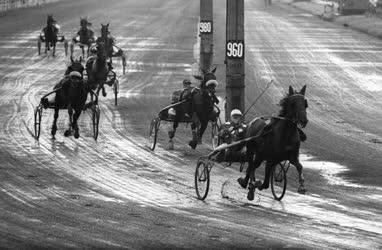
(235,49)
(205,27)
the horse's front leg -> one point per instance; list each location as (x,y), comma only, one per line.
(68,132)
(54,50)
(171,134)
(54,126)
(301,188)
(203,126)
(194,140)
(77,113)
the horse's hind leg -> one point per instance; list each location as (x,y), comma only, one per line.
(76,115)
(54,126)
(171,134)
(301,188)
(46,46)
(268,168)
(244,181)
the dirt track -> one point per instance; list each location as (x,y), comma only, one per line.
(117,193)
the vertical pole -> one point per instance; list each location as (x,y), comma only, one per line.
(235,56)
(206,34)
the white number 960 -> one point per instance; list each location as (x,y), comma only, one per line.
(235,49)
(205,27)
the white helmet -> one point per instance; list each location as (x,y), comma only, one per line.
(212,82)
(75,74)
(171,112)
(236,112)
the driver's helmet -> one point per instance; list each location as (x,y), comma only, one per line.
(186,83)
(212,84)
(236,116)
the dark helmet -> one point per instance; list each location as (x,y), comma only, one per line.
(186,82)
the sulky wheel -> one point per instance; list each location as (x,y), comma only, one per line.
(279,180)
(95,120)
(214,135)
(37,121)
(116,89)
(202,178)
(153,132)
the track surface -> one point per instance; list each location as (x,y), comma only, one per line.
(116,193)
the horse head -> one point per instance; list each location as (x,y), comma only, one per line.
(104,31)
(84,23)
(294,105)
(101,50)
(75,65)
(50,20)
(206,76)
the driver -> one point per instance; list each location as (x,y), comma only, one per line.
(233,131)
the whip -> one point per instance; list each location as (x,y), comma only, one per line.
(254,102)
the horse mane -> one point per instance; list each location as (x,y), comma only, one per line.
(284,105)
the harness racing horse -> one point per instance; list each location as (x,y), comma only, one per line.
(71,94)
(199,107)
(276,142)
(110,45)
(49,35)
(85,36)
(97,69)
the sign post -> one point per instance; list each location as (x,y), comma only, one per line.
(206,34)
(235,56)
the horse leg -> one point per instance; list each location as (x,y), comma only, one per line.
(71,46)
(249,155)
(268,169)
(252,179)
(103,90)
(69,130)
(76,115)
(54,126)
(54,50)
(171,134)
(46,46)
(194,140)
(301,188)
(203,126)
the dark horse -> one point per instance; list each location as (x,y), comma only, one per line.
(109,42)
(85,36)
(50,36)
(97,69)
(200,107)
(278,141)
(71,93)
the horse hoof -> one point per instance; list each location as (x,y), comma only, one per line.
(67,133)
(243,182)
(170,145)
(301,190)
(76,134)
(261,187)
(251,192)
(193,144)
